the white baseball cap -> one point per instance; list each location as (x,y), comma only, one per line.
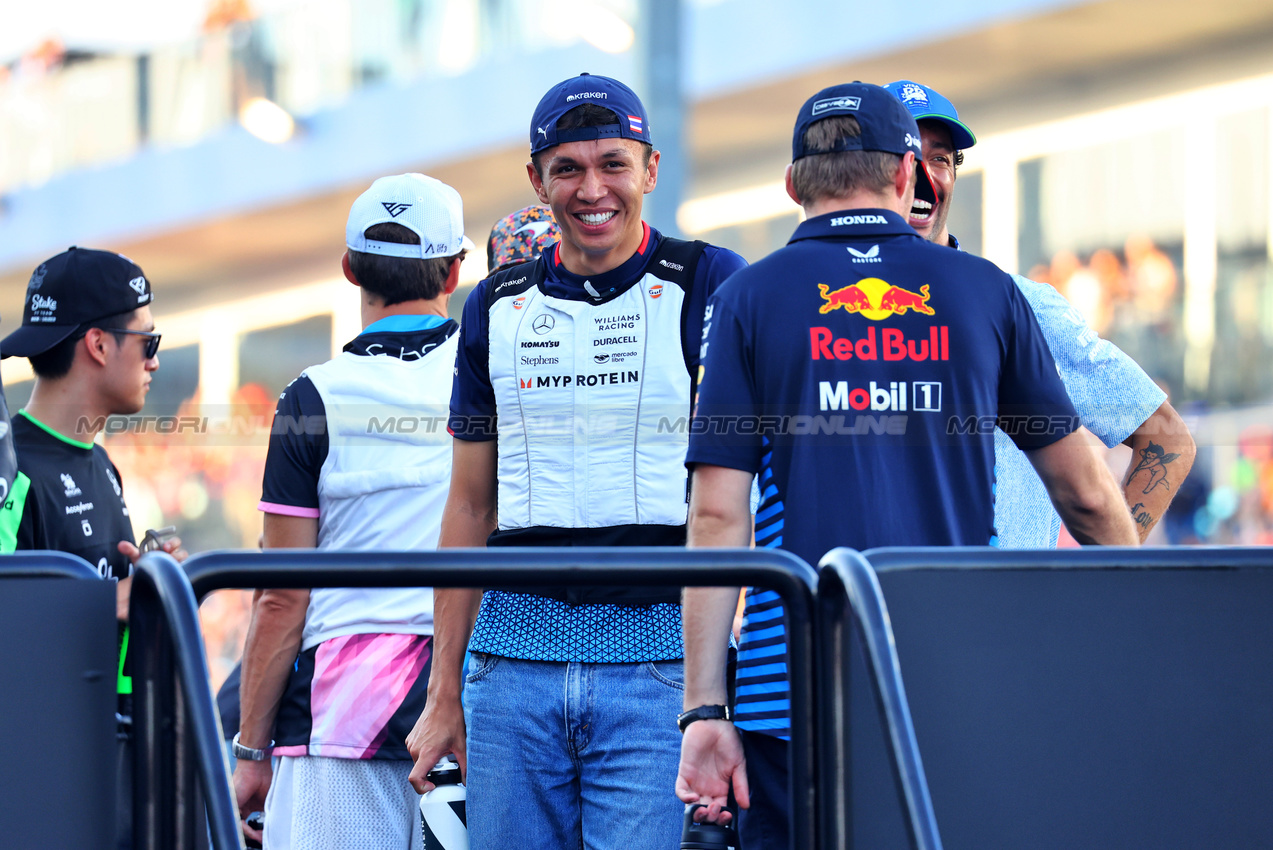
(427,207)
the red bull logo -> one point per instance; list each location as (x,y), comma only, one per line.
(891,344)
(875,299)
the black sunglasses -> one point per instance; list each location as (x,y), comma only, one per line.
(152,339)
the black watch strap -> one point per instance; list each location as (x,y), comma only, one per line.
(704,712)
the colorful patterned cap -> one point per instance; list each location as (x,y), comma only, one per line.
(521,237)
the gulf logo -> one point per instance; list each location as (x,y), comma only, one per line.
(656,290)
(519,303)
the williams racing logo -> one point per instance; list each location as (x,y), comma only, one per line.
(875,299)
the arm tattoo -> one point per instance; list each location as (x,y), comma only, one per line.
(1153,460)
(1141,516)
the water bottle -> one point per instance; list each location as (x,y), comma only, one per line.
(442,809)
(706,836)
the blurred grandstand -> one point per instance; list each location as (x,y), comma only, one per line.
(1125,156)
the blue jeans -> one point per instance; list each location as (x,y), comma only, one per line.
(568,755)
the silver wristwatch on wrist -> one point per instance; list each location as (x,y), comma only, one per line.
(249,753)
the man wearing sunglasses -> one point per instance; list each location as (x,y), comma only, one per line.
(89,335)
(88,332)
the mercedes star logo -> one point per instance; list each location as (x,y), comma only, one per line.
(543,323)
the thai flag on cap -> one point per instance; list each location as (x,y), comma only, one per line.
(634,121)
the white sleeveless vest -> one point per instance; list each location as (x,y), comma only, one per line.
(589,397)
(384,483)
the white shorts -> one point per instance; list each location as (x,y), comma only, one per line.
(318,803)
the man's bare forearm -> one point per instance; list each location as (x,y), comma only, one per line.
(468,519)
(273,641)
(1100,518)
(454,612)
(719,516)
(1083,491)
(708,614)
(1162,455)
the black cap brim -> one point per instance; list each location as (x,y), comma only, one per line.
(30,340)
(925,189)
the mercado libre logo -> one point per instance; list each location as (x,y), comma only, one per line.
(875,299)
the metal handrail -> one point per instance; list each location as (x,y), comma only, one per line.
(174,727)
(1093,558)
(793,579)
(849,594)
(48,565)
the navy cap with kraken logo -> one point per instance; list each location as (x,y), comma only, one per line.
(78,286)
(629,113)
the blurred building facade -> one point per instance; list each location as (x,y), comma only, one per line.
(1124,156)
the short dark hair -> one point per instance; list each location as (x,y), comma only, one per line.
(398,279)
(834,174)
(585,115)
(57,361)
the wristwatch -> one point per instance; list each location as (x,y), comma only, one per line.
(249,753)
(704,712)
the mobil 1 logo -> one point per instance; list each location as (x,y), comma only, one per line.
(895,396)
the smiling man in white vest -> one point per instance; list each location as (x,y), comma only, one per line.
(334,678)
(566,367)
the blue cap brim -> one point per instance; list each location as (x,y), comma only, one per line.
(960,136)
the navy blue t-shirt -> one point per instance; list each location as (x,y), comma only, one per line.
(861,371)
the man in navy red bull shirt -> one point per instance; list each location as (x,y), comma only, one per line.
(860,372)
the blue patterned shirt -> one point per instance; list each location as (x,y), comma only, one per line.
(1113,397)
(536,628)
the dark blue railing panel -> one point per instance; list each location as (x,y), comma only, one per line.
(850,605)
(57,703)
(1094,698)
(793,579)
